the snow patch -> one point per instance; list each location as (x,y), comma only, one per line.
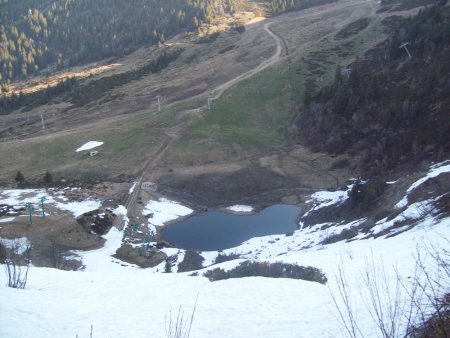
(19,244)
(240,208)
(435,170)
(415,211)
(19,197)
(89,145)
(102,260)
(164,210)
(23,196)
(326,198)
(79,208)
(7,220)
(132,188)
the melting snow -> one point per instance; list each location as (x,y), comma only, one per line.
(101,260)
(413,212)
(326,198)
(19,197)
(240,208)
(132,188)
(79,208)
(119,300)
(436,170)
(89,145)
(165,210)
(19,244)
(7,220)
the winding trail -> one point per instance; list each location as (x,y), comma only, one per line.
(263,65)
(172,137)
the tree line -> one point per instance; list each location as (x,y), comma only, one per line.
(388,107)
(44,35)
(79,92)
(282,6)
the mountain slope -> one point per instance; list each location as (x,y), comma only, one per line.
(45,35)
(388,108)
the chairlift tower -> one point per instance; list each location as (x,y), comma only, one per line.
(210,99)
(209,103)
(30,209)
(346,71)
(42,199)
(403,45)
(42,119)
(159,98)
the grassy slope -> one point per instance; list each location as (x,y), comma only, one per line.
(125,145)
(253,117)
(250,119)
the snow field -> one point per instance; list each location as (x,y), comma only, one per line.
(165,210)
(121,300)
(124,305)
(134,302)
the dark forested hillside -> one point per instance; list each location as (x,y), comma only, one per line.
(389,107)
(275,7)
(37,35)
(281,6)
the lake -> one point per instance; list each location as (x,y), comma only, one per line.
(217,230)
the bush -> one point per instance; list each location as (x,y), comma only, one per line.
(225,258)
(17,263)
(48,177)
(170,261)
(2,254)
(240,28)
(19,178)
(192,261)
(364,195)
(208,38)
(266,269)
(216,274)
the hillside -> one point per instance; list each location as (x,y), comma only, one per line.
(387,107)
(44,36)
(48,35)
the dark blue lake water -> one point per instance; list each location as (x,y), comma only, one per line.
(217,230)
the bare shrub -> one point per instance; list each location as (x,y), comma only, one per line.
(347,310)
(384,301)
(429,293)
(419,304)
(192,261)
(223,257)
(180,326)
(17,263)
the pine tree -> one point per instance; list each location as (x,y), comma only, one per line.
(48,177)
(167,266)
(19,178)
